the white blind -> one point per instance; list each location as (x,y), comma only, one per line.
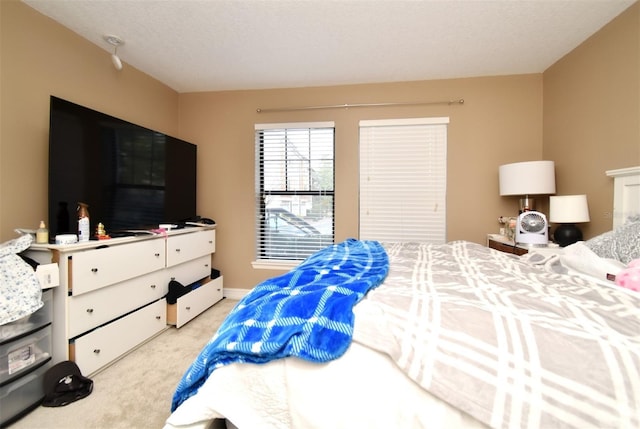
(294,189)
(403,180)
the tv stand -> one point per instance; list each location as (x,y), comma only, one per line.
(111,297)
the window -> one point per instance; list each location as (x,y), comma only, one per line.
(403,180)
(294,189)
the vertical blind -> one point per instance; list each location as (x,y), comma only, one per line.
(294,189)
(403,179)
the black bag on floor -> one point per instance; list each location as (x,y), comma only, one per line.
(64,384)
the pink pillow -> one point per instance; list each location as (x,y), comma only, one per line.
(630,277)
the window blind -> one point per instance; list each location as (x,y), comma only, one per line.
(403,179)
(294,189)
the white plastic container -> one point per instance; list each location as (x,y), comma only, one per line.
(84,228)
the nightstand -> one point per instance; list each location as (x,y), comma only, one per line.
(504,244)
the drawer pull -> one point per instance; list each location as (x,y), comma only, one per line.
(153,286)
(188,308)
(178,250)
(158,317)
(210,242)
(94,270)
(96,351)
(156,254)
(89,310)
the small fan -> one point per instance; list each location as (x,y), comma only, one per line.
(532,228)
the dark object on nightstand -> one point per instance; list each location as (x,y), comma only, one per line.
(507,248)
(566,234)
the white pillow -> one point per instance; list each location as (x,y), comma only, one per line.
(621,244)
(578,257)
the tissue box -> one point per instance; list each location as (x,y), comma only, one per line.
(48,275)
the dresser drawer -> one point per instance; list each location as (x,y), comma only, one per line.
(184,247)
(191,271)
(22,355)
(21,395)
(103,345)
(90,310)
(195,302)
(93,269)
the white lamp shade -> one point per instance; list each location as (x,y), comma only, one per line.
(528,178)
(568,209)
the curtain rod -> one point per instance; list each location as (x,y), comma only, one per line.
(347,106)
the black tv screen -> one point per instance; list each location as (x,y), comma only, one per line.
(130,176)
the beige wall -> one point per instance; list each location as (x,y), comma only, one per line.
(592,115)
(40,58)
(501,121)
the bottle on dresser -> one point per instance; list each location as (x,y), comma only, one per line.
(83,222)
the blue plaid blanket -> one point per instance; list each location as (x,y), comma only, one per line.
(307,312)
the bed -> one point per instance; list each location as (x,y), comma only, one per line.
(430,336)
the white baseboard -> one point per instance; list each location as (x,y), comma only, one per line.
(231,293)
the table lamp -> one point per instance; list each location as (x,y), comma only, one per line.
(567,210)
(527,178)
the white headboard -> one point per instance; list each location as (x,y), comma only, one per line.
(626,193)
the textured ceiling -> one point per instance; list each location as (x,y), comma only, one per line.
(210,45)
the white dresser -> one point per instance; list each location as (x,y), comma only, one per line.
(111,296)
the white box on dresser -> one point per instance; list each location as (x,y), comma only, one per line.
(111,296)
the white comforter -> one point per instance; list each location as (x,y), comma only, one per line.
(577,259)
(362,389)
(20,291)
(455,331)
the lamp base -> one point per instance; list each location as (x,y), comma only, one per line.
(527,204)
(566,234)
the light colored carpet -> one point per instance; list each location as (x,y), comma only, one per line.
(135,392)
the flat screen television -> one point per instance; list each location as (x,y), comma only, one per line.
(130,176)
